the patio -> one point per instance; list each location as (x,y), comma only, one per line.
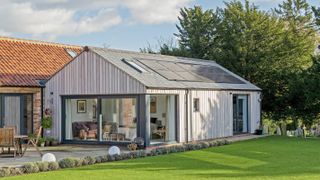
(61,151)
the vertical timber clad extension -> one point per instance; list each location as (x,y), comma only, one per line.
(88,74)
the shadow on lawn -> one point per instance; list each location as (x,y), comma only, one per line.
(269,157)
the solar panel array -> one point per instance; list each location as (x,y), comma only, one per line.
(192,72)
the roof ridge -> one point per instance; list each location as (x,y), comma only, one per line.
(150,54)
(32,41)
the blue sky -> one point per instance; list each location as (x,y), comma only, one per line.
(121,24)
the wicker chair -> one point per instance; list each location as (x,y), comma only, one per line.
(7,140)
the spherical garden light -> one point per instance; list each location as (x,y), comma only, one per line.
(48,157)
(114,150)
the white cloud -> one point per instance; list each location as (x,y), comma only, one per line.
(51,18)
(156,11)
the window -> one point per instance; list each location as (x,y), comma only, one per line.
(134,65)
(71,52)
(196,105)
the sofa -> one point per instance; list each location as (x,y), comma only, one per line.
(85,129)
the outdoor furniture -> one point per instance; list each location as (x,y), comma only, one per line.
(33,141)
(161,132)
(14,127)
(19,139)
(7,140)
(117,137)
(14,130)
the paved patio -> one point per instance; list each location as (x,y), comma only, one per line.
(63,151)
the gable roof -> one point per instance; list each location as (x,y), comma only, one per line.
(24,62)
(170,72)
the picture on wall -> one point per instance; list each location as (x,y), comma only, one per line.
(81,106)
(153,104)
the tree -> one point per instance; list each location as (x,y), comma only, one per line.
(270,49)
(197,31)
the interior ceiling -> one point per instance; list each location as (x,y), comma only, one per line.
(190,72)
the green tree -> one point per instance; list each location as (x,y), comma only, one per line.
(269,48)
(197,31)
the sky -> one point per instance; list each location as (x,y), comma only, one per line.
(118,24)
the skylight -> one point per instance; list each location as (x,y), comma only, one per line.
(71,52)
(134,65)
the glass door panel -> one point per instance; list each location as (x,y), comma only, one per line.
(240,114)
(118,120)
(12,112)
(27,123)
(81,123)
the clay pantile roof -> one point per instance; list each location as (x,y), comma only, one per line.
(24,62)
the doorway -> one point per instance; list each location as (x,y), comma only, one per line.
(17,109)
(240,114)
(163,119)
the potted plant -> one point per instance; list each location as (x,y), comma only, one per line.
(259,131)
(54,142)
(46,122)
(49,141)
(42,141)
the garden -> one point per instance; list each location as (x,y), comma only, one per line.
(273,157)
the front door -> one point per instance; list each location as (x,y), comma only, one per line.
(16,110)
(240,114)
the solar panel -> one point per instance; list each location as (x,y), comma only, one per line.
(180,71)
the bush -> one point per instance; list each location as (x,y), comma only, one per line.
(67,163)
(110,158)
(43,166)
(4,172)
(90,160)
(53,166)
(104,158)
(98,159)
(31,168)
(16,171)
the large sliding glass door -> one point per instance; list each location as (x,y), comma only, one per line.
(16,110)
(118,119)
(100,119)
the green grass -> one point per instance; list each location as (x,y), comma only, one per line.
(265,158)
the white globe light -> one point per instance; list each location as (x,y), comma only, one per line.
(113,150)
(48,157)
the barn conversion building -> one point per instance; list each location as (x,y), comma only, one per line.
(114,96)
(98,95)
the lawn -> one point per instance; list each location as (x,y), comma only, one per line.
(265,158)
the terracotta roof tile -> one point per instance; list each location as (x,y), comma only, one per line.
(23,62)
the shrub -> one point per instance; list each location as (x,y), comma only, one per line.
(98,159)
(67,163)
(4,172)
(111,158)
(43,166)
(205,144)
(104,158)
(31,168)
(78,162)
(90,160)
(16,171)
(53,166)
(117,157)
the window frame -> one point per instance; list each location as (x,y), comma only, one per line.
(196,105)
